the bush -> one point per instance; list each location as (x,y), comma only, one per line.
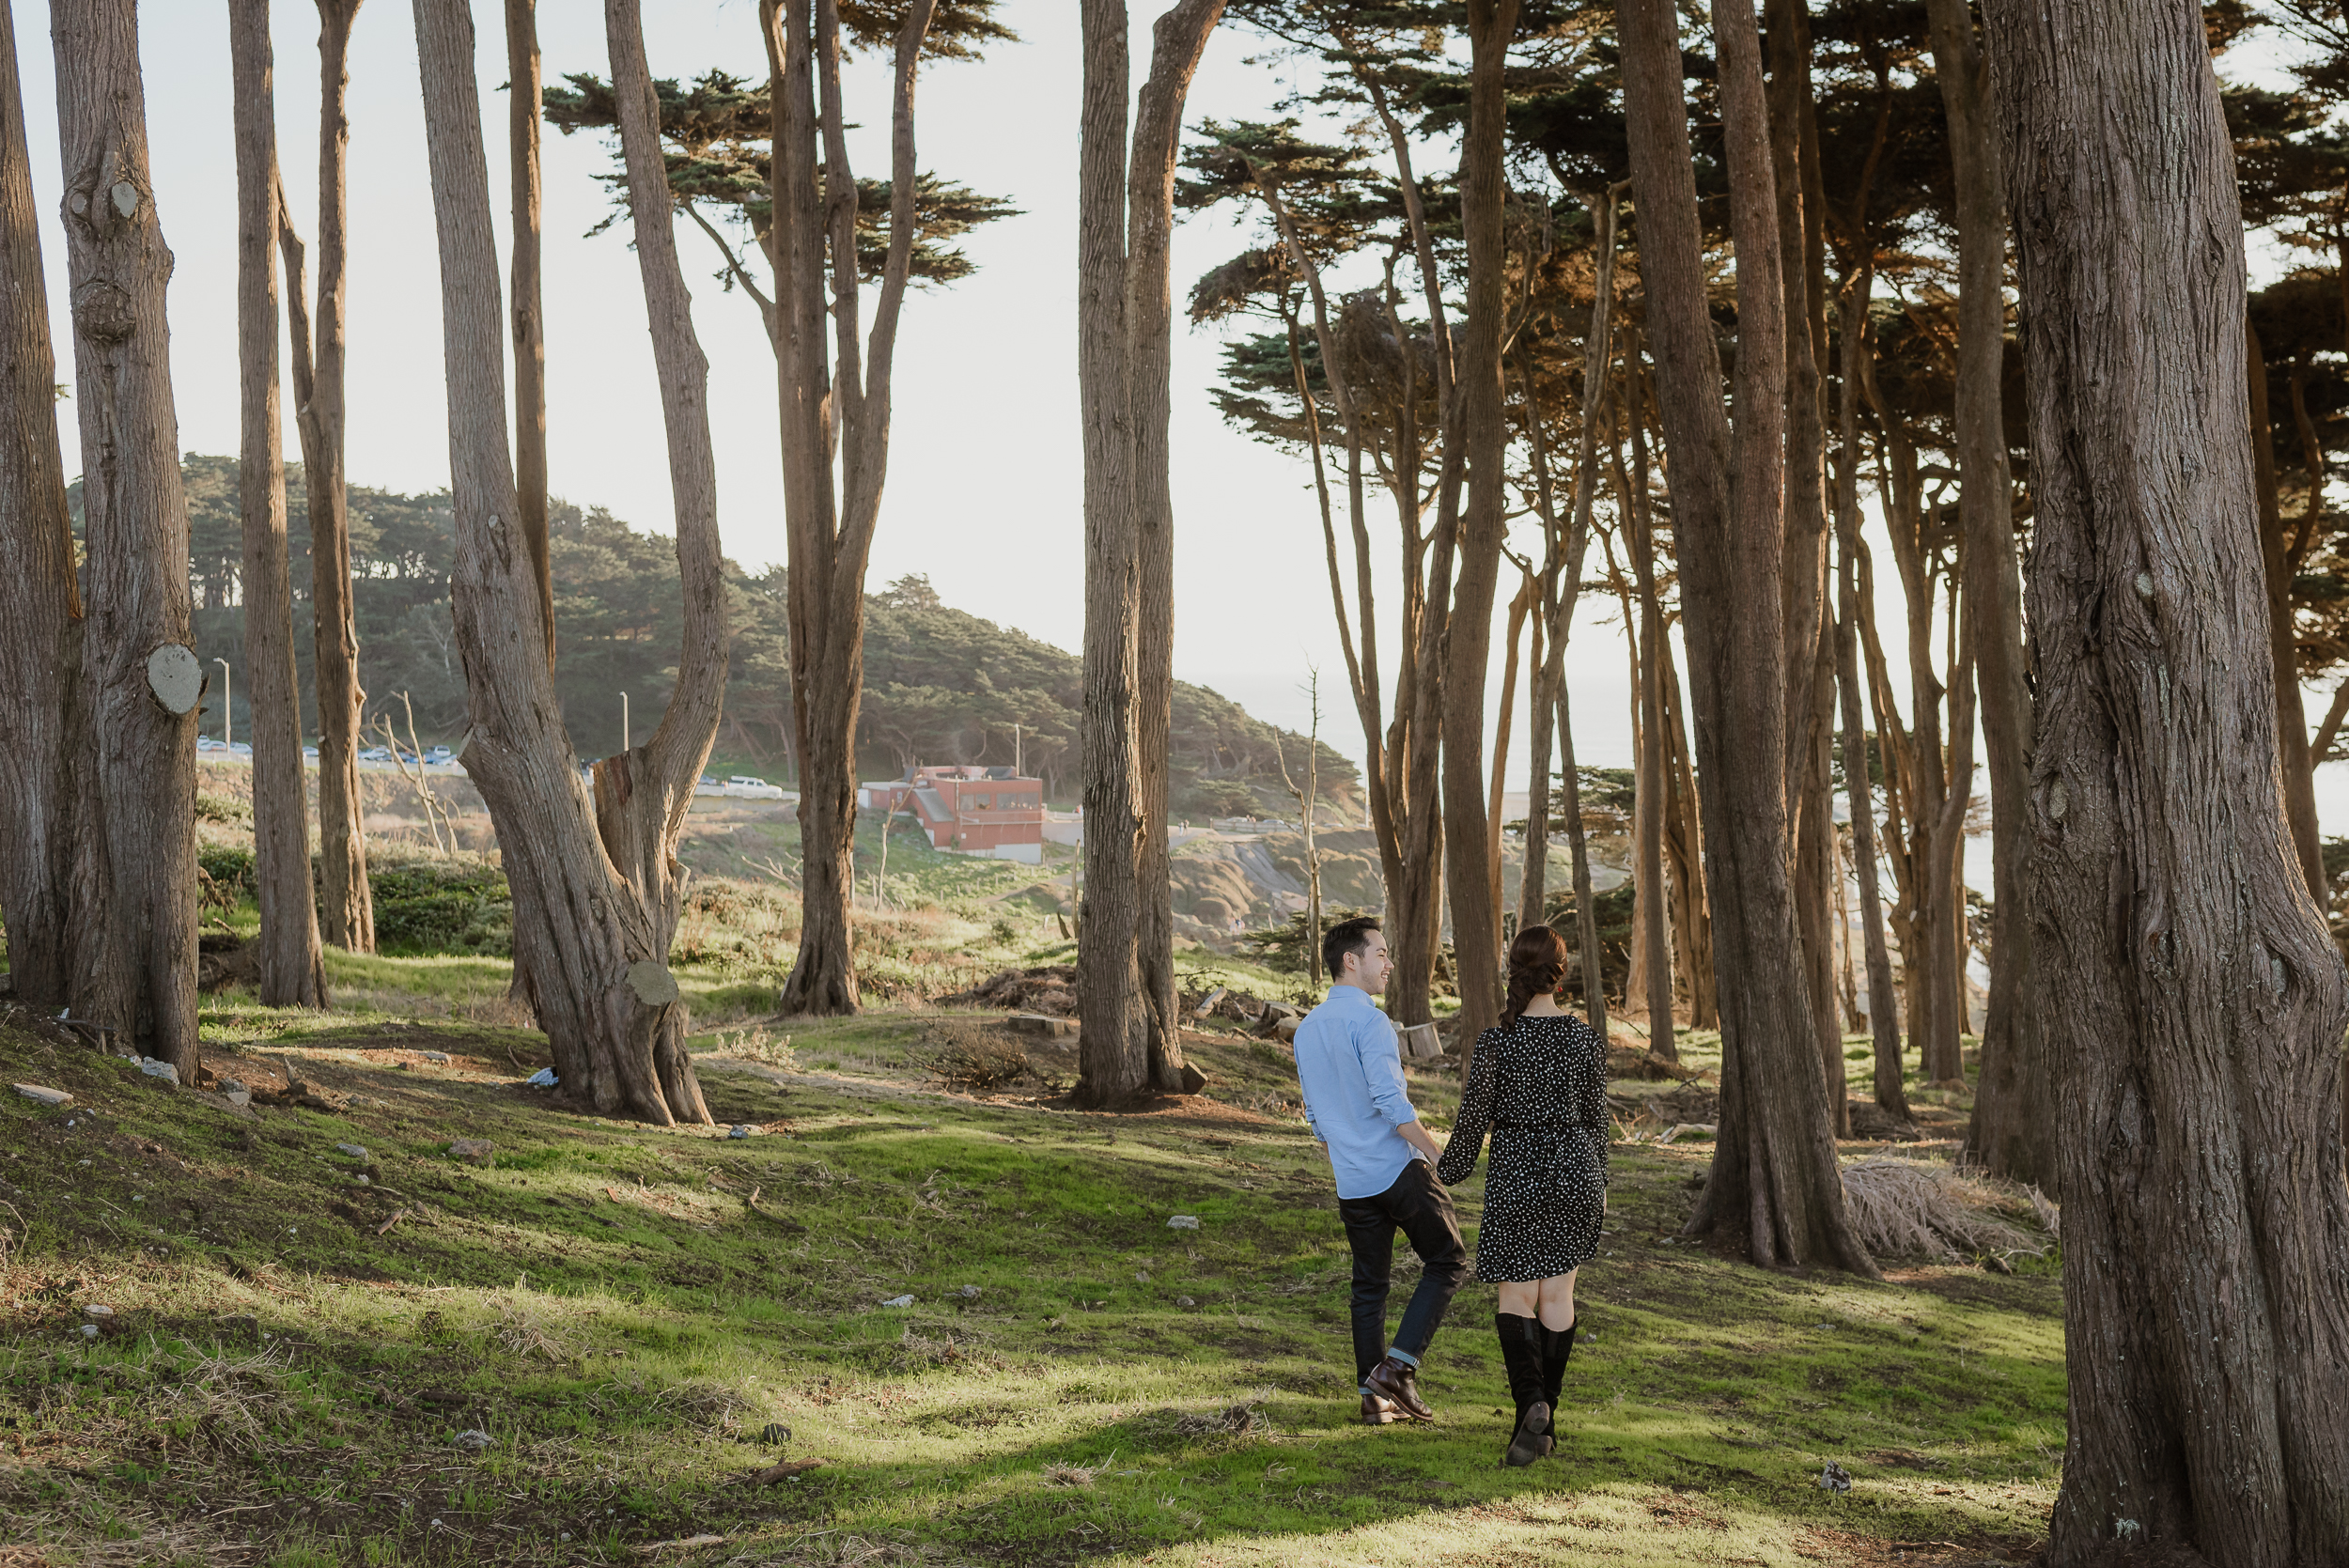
(221,808)
(223,875)
(434,906)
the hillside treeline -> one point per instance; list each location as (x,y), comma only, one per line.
(941,685)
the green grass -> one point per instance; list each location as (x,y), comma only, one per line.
(604,1303)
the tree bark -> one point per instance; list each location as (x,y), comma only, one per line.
(1775,1188)
(142,675)
(346,903)
(1484,429)
(1809,661)
(1585,902)
(1692,919)
(47,898)
(603,990)
(2193,1001)
(523,109)
(1654,651)
(643,795)
(1884,1024)
(1113,1038)
(292,970)
(845,394)
(1520,606)
(2293,756)
(1177,41)
(2012,1115)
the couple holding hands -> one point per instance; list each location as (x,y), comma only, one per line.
(1538,1084)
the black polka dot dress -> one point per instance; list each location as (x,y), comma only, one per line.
(1541,1089)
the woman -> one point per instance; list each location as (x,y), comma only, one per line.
(1540,1083)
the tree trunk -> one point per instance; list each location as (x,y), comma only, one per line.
(143,676)
(1884,1024)
(1810,662)
(1586,901)
(1483,431)
(292,970)
(846,394)
(2291,721)
(2011,1113)
(2194,1003)
(1775,1188)
(1177,41)
(643,795)
(1401,754)
(604,993)
(1563,555)
(523,110)
(823,973)
(1654,651)
(1520,607)
(1692,922)
(346,903)
(1113,1063)
(47,898)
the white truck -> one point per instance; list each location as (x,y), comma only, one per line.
(743,787)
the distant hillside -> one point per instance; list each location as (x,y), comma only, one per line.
(941,685)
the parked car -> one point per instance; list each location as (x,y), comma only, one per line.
(375,753)
(239,748)
(709,785)
(309,754)
(206,743)
(439,756)
(743,787)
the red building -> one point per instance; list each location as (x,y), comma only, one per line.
(971,811)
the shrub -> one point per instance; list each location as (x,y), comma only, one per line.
(441,905)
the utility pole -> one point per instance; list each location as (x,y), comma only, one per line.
(1018,769)
(225,683)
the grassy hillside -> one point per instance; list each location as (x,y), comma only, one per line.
(941,685)
(633,1324)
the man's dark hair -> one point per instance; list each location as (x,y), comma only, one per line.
(1347,936)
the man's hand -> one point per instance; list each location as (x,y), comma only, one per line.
(1415,1134)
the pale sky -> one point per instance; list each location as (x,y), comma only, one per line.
(985,473)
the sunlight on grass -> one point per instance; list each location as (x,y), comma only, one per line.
(635,1317)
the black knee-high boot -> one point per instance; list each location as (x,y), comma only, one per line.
(1557,1345)
(1521,1343)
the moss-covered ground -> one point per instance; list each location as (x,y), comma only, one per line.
(633,1324)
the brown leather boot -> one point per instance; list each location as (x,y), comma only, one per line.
(1380,1412)
(1398,1382)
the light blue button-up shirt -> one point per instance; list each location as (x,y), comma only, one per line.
(1352,1075)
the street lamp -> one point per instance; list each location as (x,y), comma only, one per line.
(223,699)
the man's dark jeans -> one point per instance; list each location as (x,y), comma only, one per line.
(1419,1206)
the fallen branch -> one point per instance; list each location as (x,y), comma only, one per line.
(783,1471)
(397,1215)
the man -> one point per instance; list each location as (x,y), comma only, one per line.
(1385,1166)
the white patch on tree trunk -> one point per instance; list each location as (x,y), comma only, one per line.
(175,677)
(654,986)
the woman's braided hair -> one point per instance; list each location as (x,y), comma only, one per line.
(1537,961)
